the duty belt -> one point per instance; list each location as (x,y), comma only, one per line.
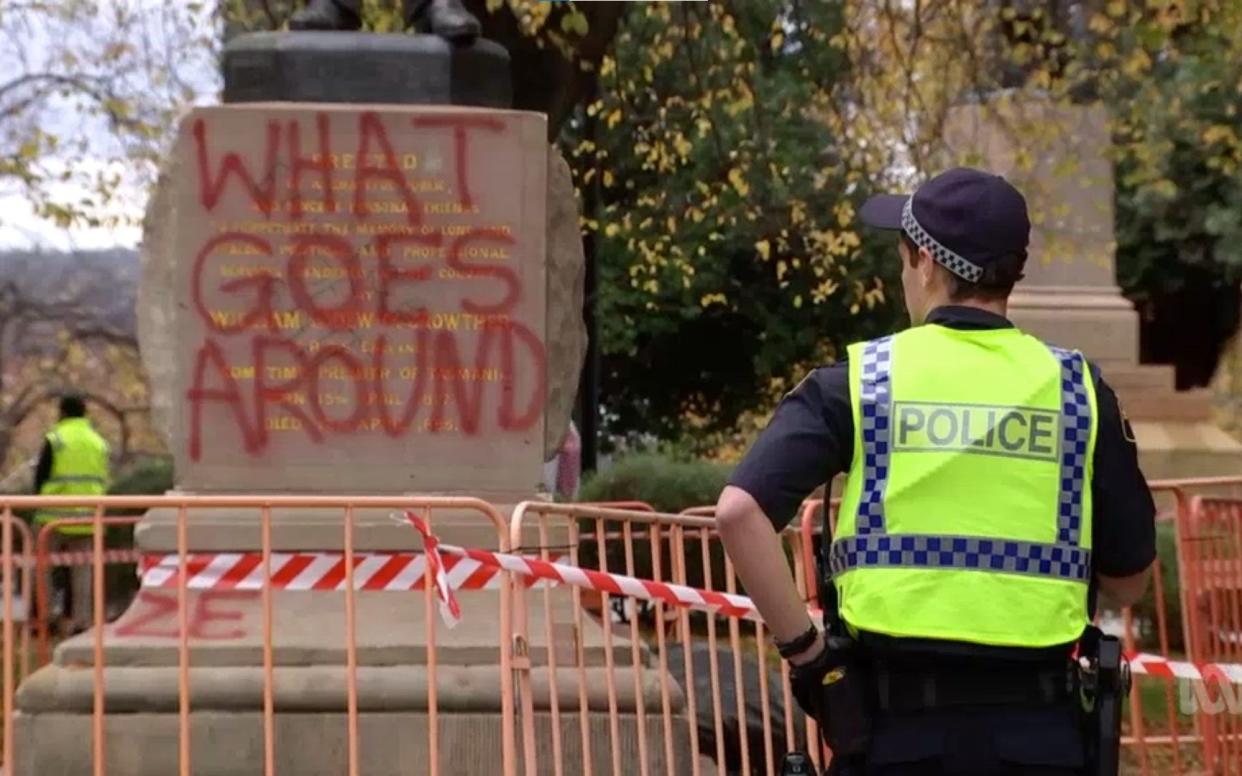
(910,690)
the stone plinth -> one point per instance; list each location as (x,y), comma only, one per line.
(341,299)
(1057,155)
(360,310)
(316,743)
(360,67)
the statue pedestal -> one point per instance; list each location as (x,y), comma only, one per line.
(226,686)
(1056,155)
(339,300)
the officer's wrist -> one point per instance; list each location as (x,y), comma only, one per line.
(809,654)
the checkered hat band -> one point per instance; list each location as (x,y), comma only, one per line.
(962,267)
(969,553)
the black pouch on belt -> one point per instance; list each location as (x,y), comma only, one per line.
(847,698)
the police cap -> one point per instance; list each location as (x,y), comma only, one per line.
(965,218)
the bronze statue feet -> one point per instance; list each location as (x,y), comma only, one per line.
(325,15)
(448,19)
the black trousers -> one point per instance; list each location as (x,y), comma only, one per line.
(934,769)
(976,741)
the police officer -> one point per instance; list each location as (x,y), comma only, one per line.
(992,491)
(74,462)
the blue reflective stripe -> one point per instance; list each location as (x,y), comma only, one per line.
(970,553)
(1075,440)
(875,405)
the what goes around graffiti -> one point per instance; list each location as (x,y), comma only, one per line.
(413,362)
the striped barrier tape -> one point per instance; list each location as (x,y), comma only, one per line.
(726,604)
(315,571)
(472,569)
(1161,667)
(732,605)
(86,557)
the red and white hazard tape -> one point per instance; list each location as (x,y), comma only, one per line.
(1157,666)
(314,571)
(86,557)
(732,605)
(725,604)
(460,568)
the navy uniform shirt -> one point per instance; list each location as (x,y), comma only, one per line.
(810,440)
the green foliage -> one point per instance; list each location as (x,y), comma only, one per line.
(667,484)
(1179,175)
(88,90)
(149,476)
(728,253)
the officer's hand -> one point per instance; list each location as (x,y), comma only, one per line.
(807,680)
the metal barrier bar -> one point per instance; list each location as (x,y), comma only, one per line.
(696,560)
(183,648)
(263,505)
(1203,561)
(269,682)
(43,562)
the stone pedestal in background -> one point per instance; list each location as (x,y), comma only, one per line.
(1057,155)
(340,299)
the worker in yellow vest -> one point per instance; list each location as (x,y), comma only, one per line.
(992,491)
(74,462)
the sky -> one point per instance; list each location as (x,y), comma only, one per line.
(157,29)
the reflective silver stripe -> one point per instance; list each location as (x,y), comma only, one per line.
(972,553)
(77,478)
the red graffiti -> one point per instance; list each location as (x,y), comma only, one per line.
(461,145)
(264,286)
(507,276)
(321,162)
(211,188)
(371,129)
(390,275)
(211,357)
(471,371)
(342,316)
(155,615)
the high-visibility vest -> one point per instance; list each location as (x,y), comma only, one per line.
(967,512)
(79,468)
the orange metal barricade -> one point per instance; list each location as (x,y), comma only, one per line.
(664,717)
(1210,542)
(44,563)
(594,693)
(24,561)
(263,507)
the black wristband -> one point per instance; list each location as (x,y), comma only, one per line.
(797,646)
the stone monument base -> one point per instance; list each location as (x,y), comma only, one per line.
(231,743)
(1096,320)
(1175,430)
(310,691)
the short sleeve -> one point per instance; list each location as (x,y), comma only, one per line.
(1124,514)
(809,440)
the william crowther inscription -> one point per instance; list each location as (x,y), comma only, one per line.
(362,286)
